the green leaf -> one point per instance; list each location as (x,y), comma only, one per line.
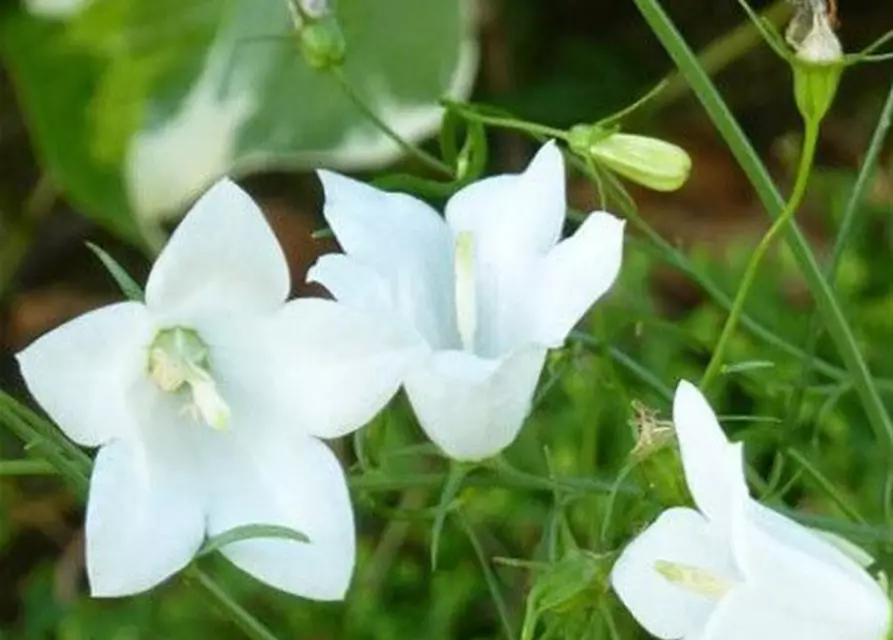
(451,487)
(571,583)
(251,532)
(127,284)
(151,101)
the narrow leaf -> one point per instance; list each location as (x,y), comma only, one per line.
(250,532)
(489,576)
(747,365)
(128,285)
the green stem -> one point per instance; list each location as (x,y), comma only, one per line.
(803,171)
(826,485)
(531,128)
(725,50)
(42,430)
(26,468)
(503,476)
(489,576)
(644,374)
(411,149)
(252,627)
(843,235)
(747,158)
(73,467)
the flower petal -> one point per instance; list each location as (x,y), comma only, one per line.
(750,613)
(794,535)
(573,275)
(79,372)
(795,569)
(336,367)
(471,407)
(355,284)
(223,257)
(291,481)
(680,536)
(512,221)
(406,243)
(714,468)
(514,213)
(145,514)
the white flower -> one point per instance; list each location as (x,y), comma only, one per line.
(486,292)
(207,402)
(734,569)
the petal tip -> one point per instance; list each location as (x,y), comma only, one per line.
(548,159)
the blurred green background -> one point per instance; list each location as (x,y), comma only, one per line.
(75,94)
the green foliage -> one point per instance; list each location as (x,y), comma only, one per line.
(137,106)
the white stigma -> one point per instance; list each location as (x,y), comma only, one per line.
(693,579)
(178,362)
(466,297)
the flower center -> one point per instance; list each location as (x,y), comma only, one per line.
(466,297)
(179,363)
(693,579)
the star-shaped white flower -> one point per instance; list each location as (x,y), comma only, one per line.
(485,292)
(734,569)
(207,402)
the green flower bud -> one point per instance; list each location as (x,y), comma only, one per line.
(651,162)
(322,43)
(818,61)
(815,86)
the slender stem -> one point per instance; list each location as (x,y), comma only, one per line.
(252,627)
(532,128)
(489,576)
(826,485)
(725,50)
(43,430)
(411,149)
(739,144)
(26,468)
(843,235)
(504,476)
(640,371)
(803,171)
(70,461)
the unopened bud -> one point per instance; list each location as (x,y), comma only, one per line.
(322,43)
(818,60)
(651,162)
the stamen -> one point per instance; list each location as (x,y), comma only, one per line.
(693,579)
(466,296)
(210,404)
(179,358)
